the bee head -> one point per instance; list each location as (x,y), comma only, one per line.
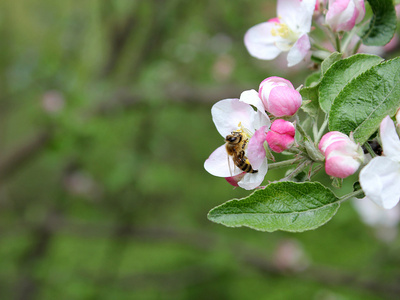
(234,138)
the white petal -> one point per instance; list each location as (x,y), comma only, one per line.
(390,139)
(260,43)
(259,120)
(220,164)
(299,50)
(297,14)
(251,181)
(380,181)
(228,113)
(251,97)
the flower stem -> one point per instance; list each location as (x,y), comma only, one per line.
(350,195)
(282,164)
(301,130)
(369,149)
(319,47)
(298,170)
(337,40)
(357,46)
(348,39)
(321,130)
(315,171)
(315,125)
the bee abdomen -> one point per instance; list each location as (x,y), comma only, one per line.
(245,166)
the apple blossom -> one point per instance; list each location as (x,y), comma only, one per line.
(281,135)
(232,115)
(343,15)
(343,156)
(380,178)
(286,33)
(279,96)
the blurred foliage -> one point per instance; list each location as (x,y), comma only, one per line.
(105,125)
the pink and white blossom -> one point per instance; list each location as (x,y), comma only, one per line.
(343,15)
(231,115)
(281,135)
(380,178)
(276,95)
(286,33)
(343,156)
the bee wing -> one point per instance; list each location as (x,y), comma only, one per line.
(230,162)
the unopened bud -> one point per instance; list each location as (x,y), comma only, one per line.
(281,135)
(343,156)
(343,15)
(279,96)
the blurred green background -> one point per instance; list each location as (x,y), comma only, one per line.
(104,127)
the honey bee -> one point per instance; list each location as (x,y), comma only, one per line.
(235,145)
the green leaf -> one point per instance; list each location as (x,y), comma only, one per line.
(311,94)
(382,25)
(287,206)
(366,100)
(330,60)
(340,74)
(312,79)
(357,187)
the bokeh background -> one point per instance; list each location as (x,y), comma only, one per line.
(104,127)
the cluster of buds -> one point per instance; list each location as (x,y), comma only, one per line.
(242,161)
(247,132)
(280,99)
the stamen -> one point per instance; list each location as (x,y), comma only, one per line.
(281,30)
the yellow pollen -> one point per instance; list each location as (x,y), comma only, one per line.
(282,30)
(246,133)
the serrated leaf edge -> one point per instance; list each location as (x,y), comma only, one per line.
(337,202)
(349,83)
(347,58)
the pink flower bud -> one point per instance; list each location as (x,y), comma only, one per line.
(279,96)
(343,15)
(343,156)
(281,135)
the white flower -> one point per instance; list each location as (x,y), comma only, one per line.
(380,178)
(232,115)
(286,33)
